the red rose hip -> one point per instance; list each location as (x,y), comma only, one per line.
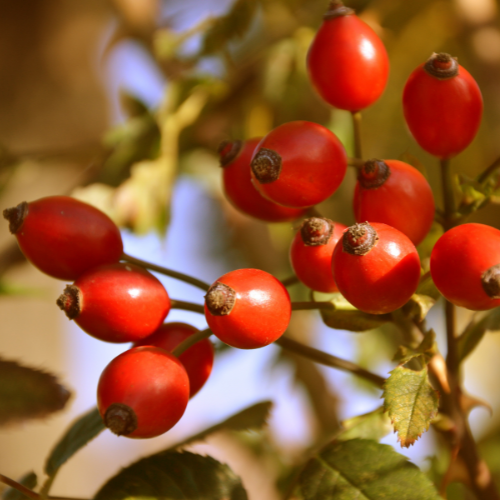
(299,164)
(376,267)
(143,392)
(465,266)
(197,360)
(235,158)
(397,194)
(64,237)
(116,303)
(442,106)
(347,62)
(248,308)
(311,253)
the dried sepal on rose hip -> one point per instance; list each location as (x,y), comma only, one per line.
(311,253)
(465,266)
(235,158)
(442,105)
(376,267)
(143,392)
(116,303)
(397,194)
(197,360)
(248,308)
(299,164)
(64,237)
(347,62)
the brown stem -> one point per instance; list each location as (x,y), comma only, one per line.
(190,341)
(355,162)
(490,170)
(329,360)
(291,280)
(187,306)
(356,123)
(19,487)
(307,306)
(167,272)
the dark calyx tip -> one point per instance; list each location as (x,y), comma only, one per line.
(16,216)
(316,231)
(359,239)
(228,151)
(70,301)
(266,166)
(337,9)
(373,174)
(120,419)
(220,299)
(442,66)
(491,282)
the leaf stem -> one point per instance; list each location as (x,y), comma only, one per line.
(483,176)
(187,306)
(167,272)
(329,360)
(356,123)
(190,341)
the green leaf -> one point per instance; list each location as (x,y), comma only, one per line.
(475,194)
(427,349)
(174,475)
(226,28)
(27,393)
(253,417)
(84,429)
(475,331)
(362,469)
(29,480)
(374,425)
(410,402)
(418,306)
(344,316)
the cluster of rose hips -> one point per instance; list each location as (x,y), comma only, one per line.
(373,264)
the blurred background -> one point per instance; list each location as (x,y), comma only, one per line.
(123,103)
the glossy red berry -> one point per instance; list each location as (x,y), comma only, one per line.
(248,308)
(299,164)
(311,253)
(235,158)
(347,62)
(397,194)
(143,392)
(64,237)
(465,266)
(197,360)
(116,303)
(376,267)
(442,106)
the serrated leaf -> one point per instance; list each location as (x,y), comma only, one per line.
(473,334)
(362,469)
(28,393)
(373,425)
(410,402)
(226,28)
(418,306)
(174,475)
(84,429)
(344,316)
(253,417)
(29,480)
(427,349)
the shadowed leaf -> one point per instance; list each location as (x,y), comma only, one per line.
(418,306)
(344,316)
(427,349)
(27,393)
(474,333)
(84,429)
(179,475)
(373,425)
(410,402)
(253,417)
(362,469)
(29,480)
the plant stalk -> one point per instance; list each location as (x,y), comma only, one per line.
(356,123)
(190,341)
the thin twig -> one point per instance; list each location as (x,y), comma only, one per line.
(291,280)
(484,175)
(329,360)
(306,306)
(187,306)
(190,341)
(167,272)
(19,487)
(356,123)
